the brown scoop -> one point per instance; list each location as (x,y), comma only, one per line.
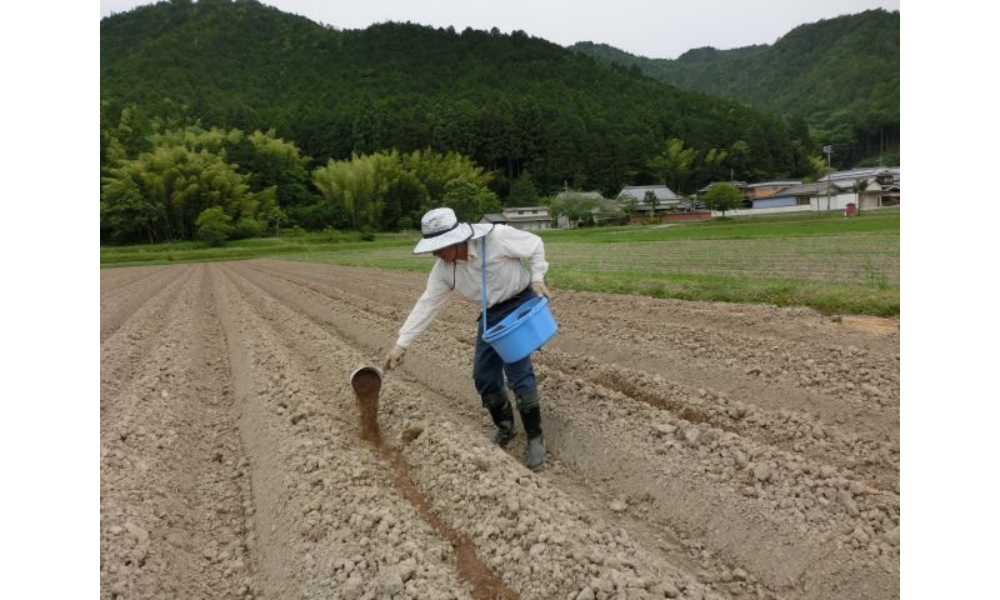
(367,382)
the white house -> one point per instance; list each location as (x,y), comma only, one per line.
(840,189)
(818,196)
(767,194)
(527,218)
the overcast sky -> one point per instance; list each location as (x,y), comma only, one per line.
(651,28)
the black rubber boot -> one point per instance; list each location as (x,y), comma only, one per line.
(531,418)
(503,417)
(534,458)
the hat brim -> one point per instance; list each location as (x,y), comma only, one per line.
(463,233)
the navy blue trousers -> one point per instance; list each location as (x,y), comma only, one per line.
(488,369)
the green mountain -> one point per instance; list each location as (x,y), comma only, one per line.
(841,76)
(515,104)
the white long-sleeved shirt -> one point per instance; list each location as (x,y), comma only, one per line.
(506,275)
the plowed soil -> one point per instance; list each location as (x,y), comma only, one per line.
(695,450)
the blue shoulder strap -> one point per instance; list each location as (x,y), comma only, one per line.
(484,283)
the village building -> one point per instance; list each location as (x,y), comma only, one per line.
(526,218)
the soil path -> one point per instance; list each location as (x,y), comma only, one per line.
(695,450)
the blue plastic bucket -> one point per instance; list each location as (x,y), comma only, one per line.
(523,331)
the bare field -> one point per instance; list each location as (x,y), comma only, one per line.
(696,450)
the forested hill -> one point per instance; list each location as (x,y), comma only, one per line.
(841,75)
(513,103)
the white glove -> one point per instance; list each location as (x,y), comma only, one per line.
(394,357)
(540,289)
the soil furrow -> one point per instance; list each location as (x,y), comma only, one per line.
(121,303)
(135,338)
(113,280)
(330,523)
(874,462)
(172,493)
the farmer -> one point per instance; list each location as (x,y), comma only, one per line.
(458,247)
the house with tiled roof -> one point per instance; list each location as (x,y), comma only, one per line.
(881,189)
(763,194)
(634,197)
(839,189)
(526,218)
(817,196)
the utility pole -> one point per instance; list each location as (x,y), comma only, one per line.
(828,150)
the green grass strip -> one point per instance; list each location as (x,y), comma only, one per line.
(823,261)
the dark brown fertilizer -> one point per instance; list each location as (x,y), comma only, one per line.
(367,383)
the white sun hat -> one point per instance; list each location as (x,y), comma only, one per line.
(440,228)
